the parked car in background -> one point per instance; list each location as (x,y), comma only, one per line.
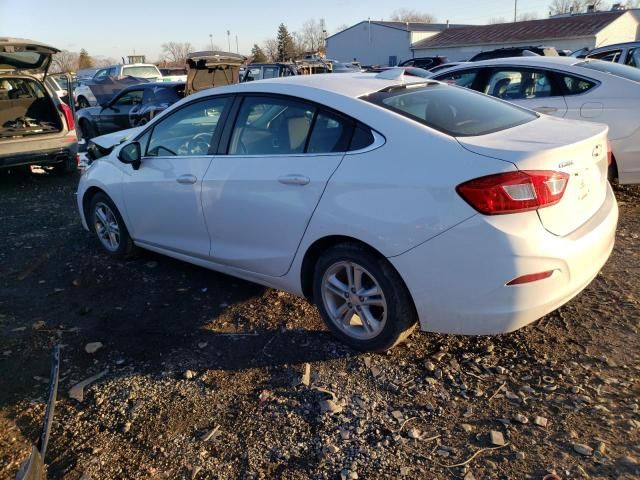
(84,95)
(444,66)
(132,107)
(320,186)
(261,71)
(210,69)
(625,53)
(568,87)
(173,74)
(36,127)
(54,85)
(424,62)
(515,52)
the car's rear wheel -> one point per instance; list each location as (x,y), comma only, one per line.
(362,298)
(83,103)
(107,224)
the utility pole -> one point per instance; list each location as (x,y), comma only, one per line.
(237,49)
(228,40)
(211,40)
(515,10)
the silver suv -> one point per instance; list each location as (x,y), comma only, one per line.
(36,127)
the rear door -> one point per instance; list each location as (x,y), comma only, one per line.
(531,88)
(261,190)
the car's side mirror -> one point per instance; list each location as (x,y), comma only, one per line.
(131,154)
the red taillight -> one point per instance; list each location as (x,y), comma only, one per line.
(513,192)
(532,277)
(68,115)
(609,154)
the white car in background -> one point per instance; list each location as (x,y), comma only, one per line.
(386,201)
(567,87)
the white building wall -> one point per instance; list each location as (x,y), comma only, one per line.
(457,54)
(369,44)
(417,36)
(625,28)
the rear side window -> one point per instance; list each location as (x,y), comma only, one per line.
(576,85)
(516,84)
(608,56)
(330,134)
(454,111)
(362,138)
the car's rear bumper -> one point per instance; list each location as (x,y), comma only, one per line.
(458,279)
(42,157)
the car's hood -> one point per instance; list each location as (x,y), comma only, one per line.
(110,140)
(20,55)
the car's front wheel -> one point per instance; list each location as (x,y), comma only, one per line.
(109,228)
(362,298)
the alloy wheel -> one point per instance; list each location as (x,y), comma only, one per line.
(106,226)
(354,300)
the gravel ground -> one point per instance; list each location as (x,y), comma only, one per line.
(207,376)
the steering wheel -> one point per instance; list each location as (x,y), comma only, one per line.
(199,144)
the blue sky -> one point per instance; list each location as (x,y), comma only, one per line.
(117,27)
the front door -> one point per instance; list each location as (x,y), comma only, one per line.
(115,116)
(163,197)
(259,196)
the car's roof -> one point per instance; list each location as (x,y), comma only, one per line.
(348,84)
(615,45)
(532,61)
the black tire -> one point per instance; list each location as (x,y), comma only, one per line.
(125,247)
(86,130)
(67,167)
(401,317)
(83,103)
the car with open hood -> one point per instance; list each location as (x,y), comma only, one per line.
(36,127)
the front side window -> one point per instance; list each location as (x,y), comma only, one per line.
(516,84)
(451,110)
(462,78)
(271,126)
(188,131)
(101,74)
(132,97)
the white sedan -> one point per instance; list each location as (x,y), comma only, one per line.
(567,87)
(388,202)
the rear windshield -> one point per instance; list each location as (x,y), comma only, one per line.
(456,111)
(624,71)
(141,72)
(27,60)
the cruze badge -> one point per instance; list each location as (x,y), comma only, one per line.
(565,164)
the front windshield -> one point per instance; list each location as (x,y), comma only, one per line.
(624,71)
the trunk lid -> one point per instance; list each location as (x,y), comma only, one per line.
(578,149)
(212,69)
(19,55)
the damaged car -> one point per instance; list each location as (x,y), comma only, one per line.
(36,127)
(133,106)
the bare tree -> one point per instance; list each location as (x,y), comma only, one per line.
(101,61)
(64,61)
(410,15)
(270,48)
(558,7)
(344,26)
(496,20)
(176,52)
(313,34)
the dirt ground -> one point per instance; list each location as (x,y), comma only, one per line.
(204,373)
